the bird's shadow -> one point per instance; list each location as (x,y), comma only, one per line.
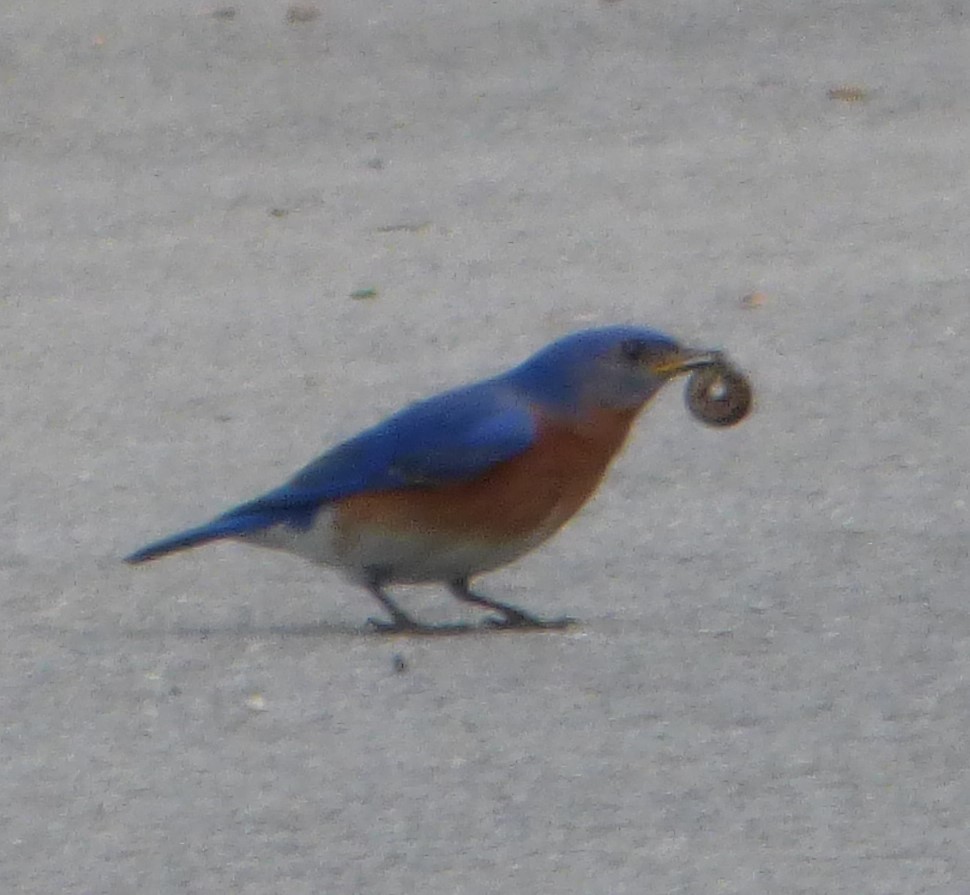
(328,630)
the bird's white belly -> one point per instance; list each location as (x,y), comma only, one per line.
(369,553)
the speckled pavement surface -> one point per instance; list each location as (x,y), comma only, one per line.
(769,688)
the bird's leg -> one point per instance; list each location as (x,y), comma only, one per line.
(401,621)
(512,617)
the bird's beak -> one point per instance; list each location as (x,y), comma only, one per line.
(683,360)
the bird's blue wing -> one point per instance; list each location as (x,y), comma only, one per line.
(448,438)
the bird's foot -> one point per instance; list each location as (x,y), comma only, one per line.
(516,618)
(405,625)
(509,616)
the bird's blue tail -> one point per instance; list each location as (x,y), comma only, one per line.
(228,526)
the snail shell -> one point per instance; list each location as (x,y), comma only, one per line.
(719,395)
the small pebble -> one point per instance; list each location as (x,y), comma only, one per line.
(256,702)
(301,12)
(849,93)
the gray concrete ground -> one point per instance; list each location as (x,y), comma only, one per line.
(770,687)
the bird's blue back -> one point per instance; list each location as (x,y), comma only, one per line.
(450,437)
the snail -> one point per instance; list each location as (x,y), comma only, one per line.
(718,394)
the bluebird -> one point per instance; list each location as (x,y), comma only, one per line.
(466,481)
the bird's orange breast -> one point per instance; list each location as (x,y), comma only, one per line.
(526,498)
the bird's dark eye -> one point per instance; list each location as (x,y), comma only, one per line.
(633,350)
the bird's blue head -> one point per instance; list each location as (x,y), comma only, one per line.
(615,368)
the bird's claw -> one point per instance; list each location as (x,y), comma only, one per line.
(410,626)
(385,627)
(511,620)
(518,619)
